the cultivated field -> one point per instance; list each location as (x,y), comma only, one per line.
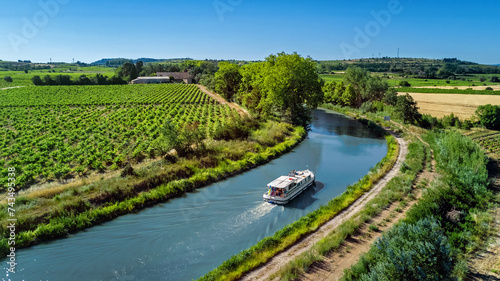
(60,132)
(480,88)
(463,106)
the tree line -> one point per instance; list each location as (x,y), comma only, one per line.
(423,68)
(58,80)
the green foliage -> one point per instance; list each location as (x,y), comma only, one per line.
(456,199)
(350,96)
(442,226)
(489,116)
(184,139)
(407,109)
(283,84)
(391,97)
(128,170)
(227,80)
(404,83)
(330,93)
(366,86)
(208,80)
(235,128)
(66,80)
(8,79)
(411,252)
(448,91)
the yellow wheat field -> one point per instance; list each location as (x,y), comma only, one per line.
(463,106)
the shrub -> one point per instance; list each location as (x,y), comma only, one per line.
(412,252)
(489,116)
(391,97)
(367,107)
(128,171)
(404,84)
(8,79)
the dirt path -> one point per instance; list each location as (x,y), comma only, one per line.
(243,112)
(11,87)
(265,271)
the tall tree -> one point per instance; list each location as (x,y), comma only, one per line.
(138,66)
(350,95)
(227,80)
(127,71)
(292,86)
(406,106)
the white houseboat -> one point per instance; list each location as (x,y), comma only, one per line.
(285,188)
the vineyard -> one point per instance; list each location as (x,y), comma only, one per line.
(59,132)
(489,140)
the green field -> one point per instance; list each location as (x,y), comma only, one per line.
(332,77)
(394,80)
(57,132)
(20,78)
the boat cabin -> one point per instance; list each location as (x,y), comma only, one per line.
(283,185)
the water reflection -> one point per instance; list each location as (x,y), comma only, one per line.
(331,122)
(307,197)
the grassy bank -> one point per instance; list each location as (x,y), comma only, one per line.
(52,214)
(260,253)
(454,207)
(397,189)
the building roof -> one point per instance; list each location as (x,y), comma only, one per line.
(176,75)
(152,78)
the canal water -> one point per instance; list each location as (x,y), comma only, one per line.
(184,238)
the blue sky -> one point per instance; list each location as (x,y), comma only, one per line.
(248,30)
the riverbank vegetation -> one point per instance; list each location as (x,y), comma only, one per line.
(454,208)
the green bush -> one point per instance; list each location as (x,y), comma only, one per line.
(404,84)
(411,252)
(489,116)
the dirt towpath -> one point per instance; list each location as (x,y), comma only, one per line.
(243,112)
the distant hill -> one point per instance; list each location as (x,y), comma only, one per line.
(144,60)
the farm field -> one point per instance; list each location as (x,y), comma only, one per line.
(332,77)
(470,81)
(59,132)
(463,106)
(394,80)
(19,78)
(488,139)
